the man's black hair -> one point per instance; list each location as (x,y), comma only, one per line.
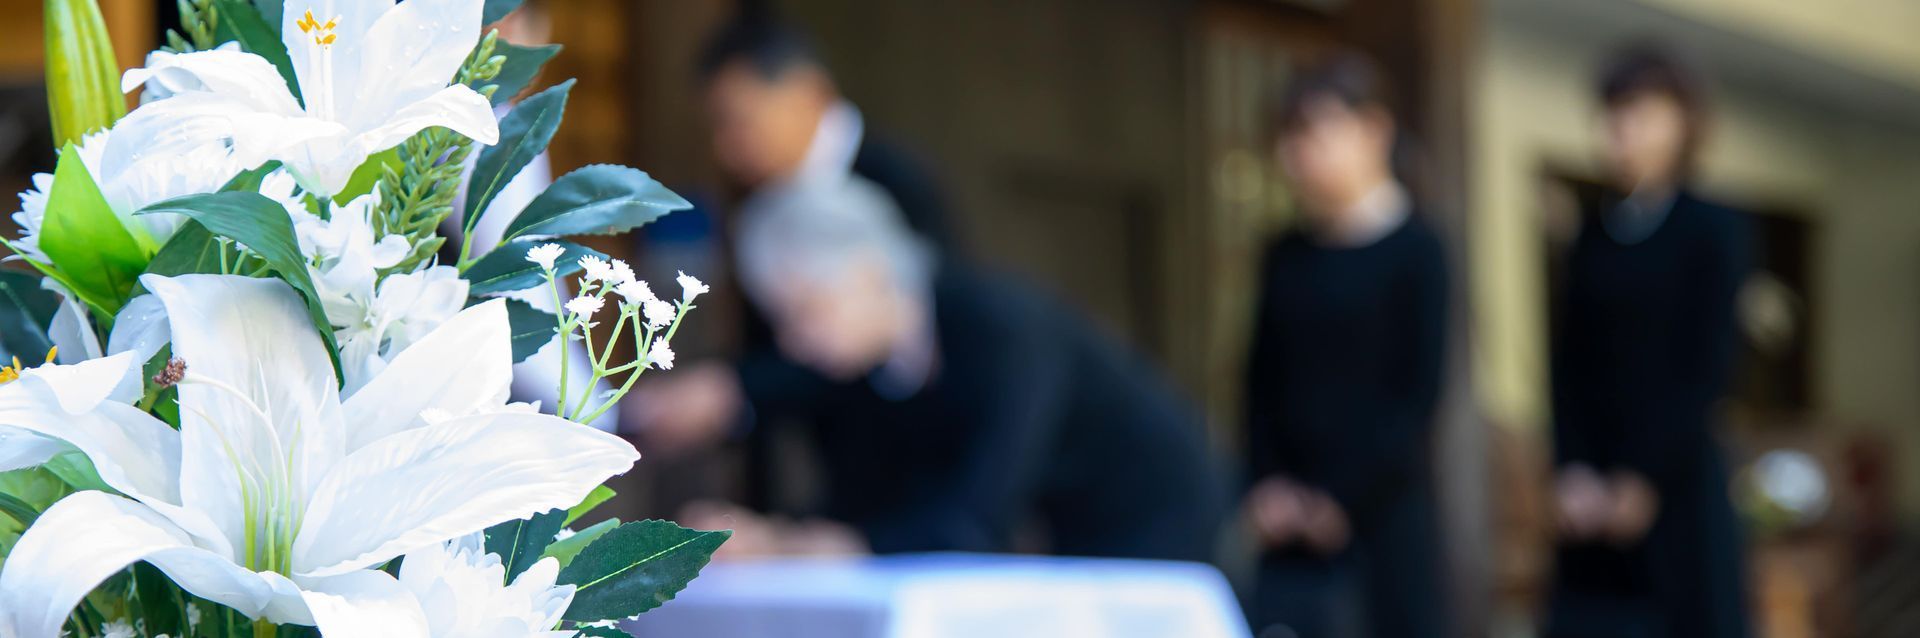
(757,37)
(1344,75)
(1651,68)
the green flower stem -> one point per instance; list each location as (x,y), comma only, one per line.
(645,349)
(564,329)
(600,365)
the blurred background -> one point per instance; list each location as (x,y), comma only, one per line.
(1116,153)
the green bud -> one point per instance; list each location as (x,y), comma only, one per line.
(83,81)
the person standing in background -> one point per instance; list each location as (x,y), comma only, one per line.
(1344,376)
(1649,541)
(780,126)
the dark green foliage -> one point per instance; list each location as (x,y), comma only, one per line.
(521,543)
(596,200)
(636,567)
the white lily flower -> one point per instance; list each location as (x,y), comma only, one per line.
(276,497)
(343,254)
(74,384)
(461,591)
(407,308)
(145,158)
(690,287)
(371,72)
(545,255)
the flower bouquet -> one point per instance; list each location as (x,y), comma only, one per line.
(254,391)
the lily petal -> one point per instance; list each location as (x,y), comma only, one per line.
(461,476)
(354,19)
(260,390)
(464,365)
(85,538)
(456,107)
(81,386)
(364,603)
(134,452)
(23,449)
(326,164)
(233,74)
(71,332)
(140,328)
(410,53)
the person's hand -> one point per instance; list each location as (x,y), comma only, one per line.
(1324,526)
(1635,504)
(691,408)
(818,537)
(753,535)
(1582,504)
(1276,508)
(759,536)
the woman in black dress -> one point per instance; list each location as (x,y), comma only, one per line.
(1649,544)
(1343,378)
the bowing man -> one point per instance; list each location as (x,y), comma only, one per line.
(965,408)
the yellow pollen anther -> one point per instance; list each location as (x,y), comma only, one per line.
(9,374)
(322,33)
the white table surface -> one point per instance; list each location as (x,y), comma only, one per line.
(950,595)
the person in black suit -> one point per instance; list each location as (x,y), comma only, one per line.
(962,408)
(1650,545)
(778,124)
(1343,377)
(779,120)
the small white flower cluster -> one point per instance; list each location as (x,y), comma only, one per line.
(654,321)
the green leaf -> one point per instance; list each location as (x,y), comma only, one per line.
(603,632)
(532,328)
(565,549)
(159,601)
(18,510)
(77,471)
(497,9)
(506,269)
(270,11)
(600,494)
(521,67)
(241,21)
(368,174)
(26,310)
(35,487)
(524,134)
(636,567)
(83,80)
(86,241)
(250,180)
(596,200)
(521,543)
(263,226)
(193,250)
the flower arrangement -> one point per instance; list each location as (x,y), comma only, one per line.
(269,404)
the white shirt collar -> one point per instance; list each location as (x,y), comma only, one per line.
(836,140)
(1378,213)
